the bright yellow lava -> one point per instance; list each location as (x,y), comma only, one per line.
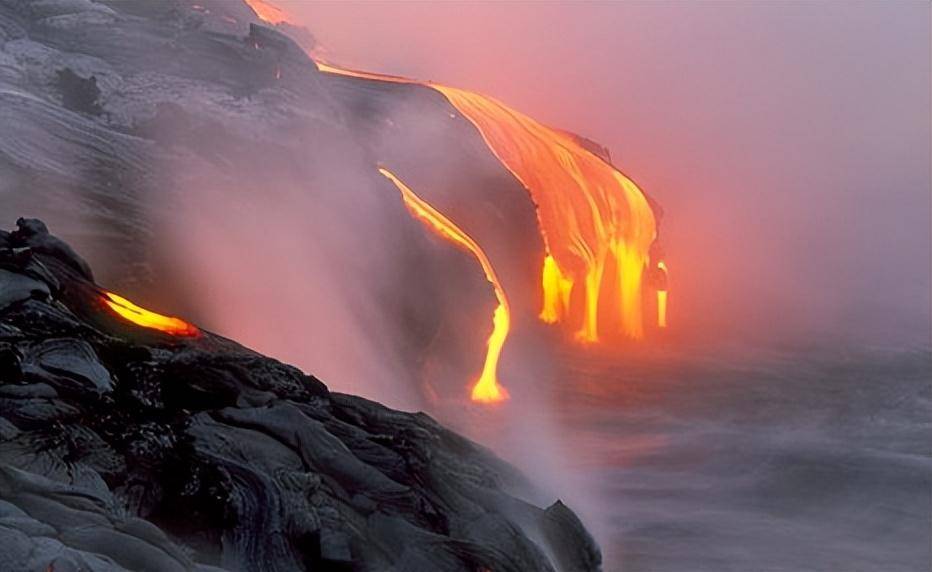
(662,308)
(486,389)
(589,213)
(148,319)
(267,12)
(591,217)
(662,298)
(557,290)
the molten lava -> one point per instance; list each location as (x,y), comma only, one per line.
(588,212)
(596,225)
(557,290)
(662,308)
(267,12)
(662,296)
(147,319)
(486,388)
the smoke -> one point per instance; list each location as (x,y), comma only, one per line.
(787,143)
(278,276)
(292,245)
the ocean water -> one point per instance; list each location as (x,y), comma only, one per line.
(754,460)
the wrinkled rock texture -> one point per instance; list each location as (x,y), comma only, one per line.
(122,448)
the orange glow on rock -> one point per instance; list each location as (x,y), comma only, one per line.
(267,12)
(486,389)
(148,319)
(588,212)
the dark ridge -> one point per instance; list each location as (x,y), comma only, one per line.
(124,448)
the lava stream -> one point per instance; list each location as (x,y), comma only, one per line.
(662,295)
(662,308)
(148,319)
(486,388)
(589,213)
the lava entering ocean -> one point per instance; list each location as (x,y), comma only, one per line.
(662,295)
(588,212)
(486,389)
(148,319)
(596,224)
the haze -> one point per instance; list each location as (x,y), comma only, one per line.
(788,143)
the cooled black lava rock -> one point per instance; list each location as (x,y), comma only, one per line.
(123,448)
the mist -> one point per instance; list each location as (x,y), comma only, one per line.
(789,147)
(251,265)
(788,144)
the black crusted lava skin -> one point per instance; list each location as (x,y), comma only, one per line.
(122,448)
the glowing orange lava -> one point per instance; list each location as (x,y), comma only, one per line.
(662,297)
(487,388)
(267,12)
(588,212)
(148,319)
(596,225)
(662,308)
(557,290)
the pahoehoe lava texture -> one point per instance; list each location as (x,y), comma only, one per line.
(125,449)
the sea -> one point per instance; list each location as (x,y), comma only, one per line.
(738,459)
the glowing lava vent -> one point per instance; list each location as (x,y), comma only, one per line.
(148,319)
(486,389)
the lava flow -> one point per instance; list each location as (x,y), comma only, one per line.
(661,308)
(662,296)
(588,212)
(596,225)
(148,319)
(267,12)
(486,388)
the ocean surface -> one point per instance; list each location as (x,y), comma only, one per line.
(754,461)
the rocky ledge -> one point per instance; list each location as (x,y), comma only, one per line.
(125,448)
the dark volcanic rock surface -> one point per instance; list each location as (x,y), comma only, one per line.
(122,448)
(127,124)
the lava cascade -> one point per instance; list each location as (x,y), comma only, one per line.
(591,218)
(588,212)
(487,388)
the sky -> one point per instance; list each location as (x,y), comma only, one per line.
(789,143)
